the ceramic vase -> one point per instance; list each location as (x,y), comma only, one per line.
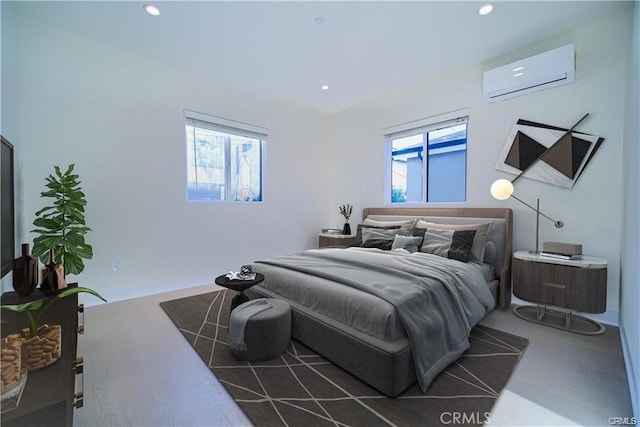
(346,229)
(25,272)
(52,279)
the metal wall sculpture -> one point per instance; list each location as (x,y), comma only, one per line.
(547,153)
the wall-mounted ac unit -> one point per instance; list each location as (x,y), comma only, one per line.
(543,71)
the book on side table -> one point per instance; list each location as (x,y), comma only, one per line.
(561,256)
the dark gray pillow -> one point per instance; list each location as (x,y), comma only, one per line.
(380,238)
(357,241)
(453,244)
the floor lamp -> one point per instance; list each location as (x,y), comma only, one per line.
(502,189)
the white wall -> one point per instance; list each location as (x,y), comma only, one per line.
(630,276)
(119,118)
(591,210)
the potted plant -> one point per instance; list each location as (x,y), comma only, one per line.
(61,226)
(345,211)
(41,345)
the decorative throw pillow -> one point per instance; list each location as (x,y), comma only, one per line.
(380,238)
(406,223)
(490,252)
(479,241)
(453,244)
(410,243)
(357,240)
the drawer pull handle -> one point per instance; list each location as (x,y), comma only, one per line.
(554,285)
(78,365)
(78,400)
(81,319)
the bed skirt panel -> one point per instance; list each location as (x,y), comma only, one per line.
(386,366)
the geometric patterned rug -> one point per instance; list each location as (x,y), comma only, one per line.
(301,388)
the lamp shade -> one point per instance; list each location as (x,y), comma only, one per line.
(501,189)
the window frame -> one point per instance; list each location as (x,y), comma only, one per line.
(233,128)
(416,127)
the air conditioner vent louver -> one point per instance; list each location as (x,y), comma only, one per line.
(544,71)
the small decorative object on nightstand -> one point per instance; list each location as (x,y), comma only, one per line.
(574,284)
(345,211)
(333,239)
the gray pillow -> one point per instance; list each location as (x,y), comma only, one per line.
(357,241)
(490,252)
(479,241)
(453,244)
(380,238)
(410,243)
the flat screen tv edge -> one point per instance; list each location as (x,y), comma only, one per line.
(7,208)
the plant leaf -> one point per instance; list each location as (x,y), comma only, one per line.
(77,290)
(73,263)
(27,306)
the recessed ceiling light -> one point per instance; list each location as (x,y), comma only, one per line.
(151,10)
(324,87)
(486,9)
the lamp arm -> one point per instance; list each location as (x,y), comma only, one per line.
(558,224)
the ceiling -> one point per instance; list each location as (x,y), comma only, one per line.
(363,50)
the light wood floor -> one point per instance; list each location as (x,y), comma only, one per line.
(139,371)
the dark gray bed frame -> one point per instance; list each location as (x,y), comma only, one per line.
(388,367)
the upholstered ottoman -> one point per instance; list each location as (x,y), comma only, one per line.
(260,329)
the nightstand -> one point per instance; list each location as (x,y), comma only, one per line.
(332,239)
(579,285)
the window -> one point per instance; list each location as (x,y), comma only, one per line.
(428,163)
(224,160)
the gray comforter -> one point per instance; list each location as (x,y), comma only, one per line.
(438,300)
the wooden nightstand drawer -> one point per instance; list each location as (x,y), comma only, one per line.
(327,239)
(572,287)
(573,284)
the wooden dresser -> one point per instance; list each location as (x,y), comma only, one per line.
(49,397)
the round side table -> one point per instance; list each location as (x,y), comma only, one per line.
(239,286)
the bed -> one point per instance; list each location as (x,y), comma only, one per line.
(390,314)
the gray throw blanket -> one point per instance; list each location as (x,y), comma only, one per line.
(438,300)
(239,318)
